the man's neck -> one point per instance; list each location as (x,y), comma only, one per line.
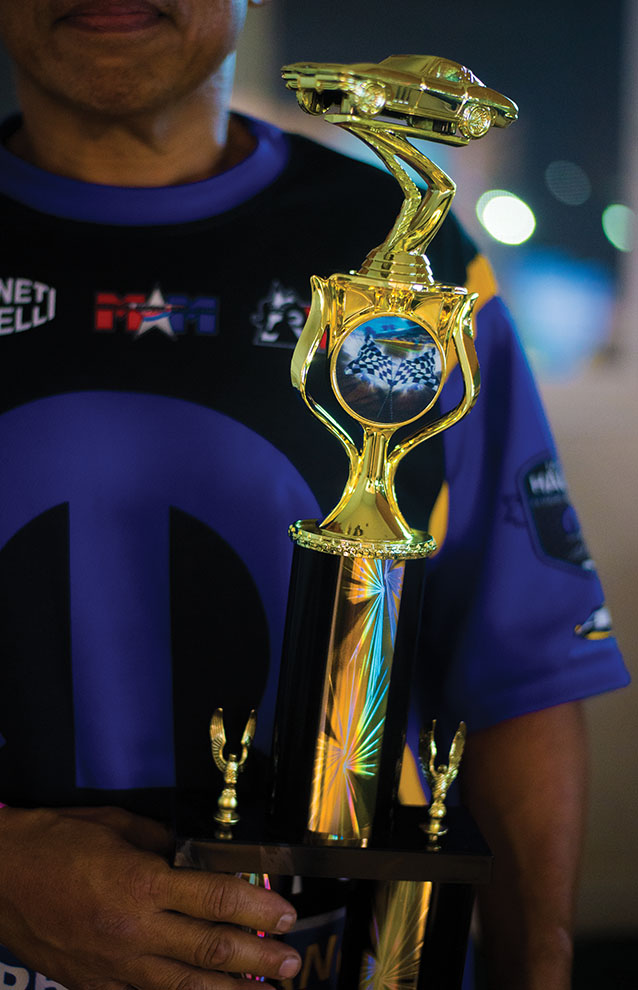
(183,143)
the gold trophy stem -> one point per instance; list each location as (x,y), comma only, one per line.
(368,507)
(401,257)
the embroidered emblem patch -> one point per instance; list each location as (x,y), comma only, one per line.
(596,626)
(25,304)
(279,318)
(172,314)
(553,521)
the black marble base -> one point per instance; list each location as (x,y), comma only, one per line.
(462,863)
(463,856)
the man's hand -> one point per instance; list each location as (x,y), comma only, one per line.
(88,898)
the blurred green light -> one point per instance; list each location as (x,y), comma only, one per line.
(618,224)
(505,217)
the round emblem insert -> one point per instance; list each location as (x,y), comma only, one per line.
(388,370)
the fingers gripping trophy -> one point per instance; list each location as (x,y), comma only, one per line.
(392,335)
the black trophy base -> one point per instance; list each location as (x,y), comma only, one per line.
(460,864)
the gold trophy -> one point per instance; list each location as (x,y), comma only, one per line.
(393,334)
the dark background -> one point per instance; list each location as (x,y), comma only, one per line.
(560,62)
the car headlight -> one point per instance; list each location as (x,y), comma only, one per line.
(476,120)
(368,97)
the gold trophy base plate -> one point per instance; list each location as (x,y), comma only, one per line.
(308,534)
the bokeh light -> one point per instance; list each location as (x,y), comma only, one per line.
(568,182)
(505,216)
(563,308)
(618,224)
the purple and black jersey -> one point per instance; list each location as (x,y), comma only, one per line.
(154,454)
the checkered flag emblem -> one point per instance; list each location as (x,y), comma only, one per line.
(394,373)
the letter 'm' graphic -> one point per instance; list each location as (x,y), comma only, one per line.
(13,977)
(121,461)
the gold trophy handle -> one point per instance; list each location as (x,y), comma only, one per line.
(463,340)
(307,345)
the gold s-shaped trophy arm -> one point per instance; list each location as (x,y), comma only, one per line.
(422,212)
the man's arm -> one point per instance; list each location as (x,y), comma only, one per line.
(525,781)
(87,897)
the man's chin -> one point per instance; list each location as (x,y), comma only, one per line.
(114,95)
(113,74)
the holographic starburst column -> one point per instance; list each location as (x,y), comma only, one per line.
(355,701)
(343,692)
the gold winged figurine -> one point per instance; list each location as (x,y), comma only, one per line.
(439,777)
(231,766)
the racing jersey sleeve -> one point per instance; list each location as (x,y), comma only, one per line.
(513,590)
